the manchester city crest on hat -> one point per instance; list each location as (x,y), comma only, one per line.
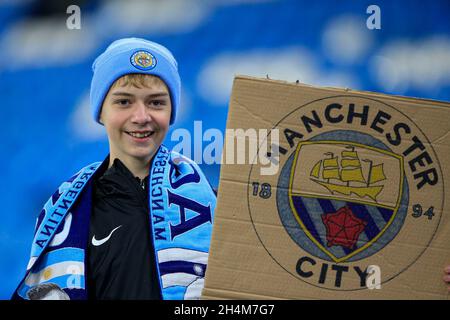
(143,60)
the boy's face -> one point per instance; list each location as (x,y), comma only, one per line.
(136,120)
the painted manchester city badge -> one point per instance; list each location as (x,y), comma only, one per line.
(348,193)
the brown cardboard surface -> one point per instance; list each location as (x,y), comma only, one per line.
(319,228)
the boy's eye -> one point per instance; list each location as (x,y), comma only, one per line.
(158,103)
(122,102)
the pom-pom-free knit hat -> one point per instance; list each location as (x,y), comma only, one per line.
(133,55)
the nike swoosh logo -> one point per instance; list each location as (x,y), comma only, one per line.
(97,243)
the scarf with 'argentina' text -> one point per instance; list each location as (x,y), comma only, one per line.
(182,204)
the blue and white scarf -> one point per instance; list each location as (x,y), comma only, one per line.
(182,204)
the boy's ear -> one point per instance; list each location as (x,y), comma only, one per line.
(101,116)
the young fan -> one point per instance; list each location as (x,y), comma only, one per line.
(138,224)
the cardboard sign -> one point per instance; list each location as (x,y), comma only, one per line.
(344,197)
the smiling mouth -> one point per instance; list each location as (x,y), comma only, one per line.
(140,134)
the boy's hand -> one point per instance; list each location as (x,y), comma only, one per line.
(447,276)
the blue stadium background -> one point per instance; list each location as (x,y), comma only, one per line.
(45,72)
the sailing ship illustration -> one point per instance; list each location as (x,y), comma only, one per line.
(348,172)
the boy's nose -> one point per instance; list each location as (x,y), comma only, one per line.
(140,113)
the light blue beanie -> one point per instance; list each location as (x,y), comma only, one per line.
(133,55)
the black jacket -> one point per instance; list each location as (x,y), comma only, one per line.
(121,262)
